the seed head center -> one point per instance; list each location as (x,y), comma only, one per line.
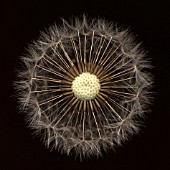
(85,86)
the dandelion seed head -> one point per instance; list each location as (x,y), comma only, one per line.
(85,85)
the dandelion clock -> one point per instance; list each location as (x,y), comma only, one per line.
(84,86)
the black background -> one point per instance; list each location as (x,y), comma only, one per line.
(21,22)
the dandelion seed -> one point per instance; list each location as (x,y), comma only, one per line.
(84,84)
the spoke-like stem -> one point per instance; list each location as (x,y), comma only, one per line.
(113,101)
(103,83)
(109,76)
(61,58)
(99,118)
(101,58)
(84,118)
(56,103)
(99,105)
(91,106)
(116,93)
(89,120)
(54,72)
(54,63)
(91,47)
(113,110)
(41,78)
(78,105)
(80,54)
(66,54)
(110,55)
(75,49)
(100,46)
(73,101)
(114,61)
(121,65)
(85,60)
(54,98)
(76,101)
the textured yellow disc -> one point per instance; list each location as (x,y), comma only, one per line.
(86,86)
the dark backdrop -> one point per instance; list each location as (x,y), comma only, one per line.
(21,22)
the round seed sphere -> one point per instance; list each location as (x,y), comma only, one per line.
(84,86)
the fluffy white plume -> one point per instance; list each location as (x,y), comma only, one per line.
(84,125)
